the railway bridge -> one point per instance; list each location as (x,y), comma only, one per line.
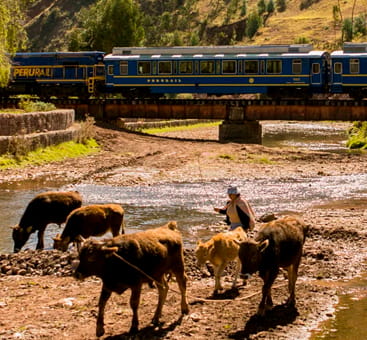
(241,119)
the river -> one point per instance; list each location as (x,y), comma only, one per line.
(191,204)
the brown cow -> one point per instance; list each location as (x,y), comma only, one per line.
(219,251)
(278,243)
(43,209)
(90,220)
(128,261)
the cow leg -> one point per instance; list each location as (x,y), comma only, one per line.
(103,298)
(41,232)
(134,304)
(181,279)
(267,301)
(238,268)
(218,270)
(162,294)
(292,278)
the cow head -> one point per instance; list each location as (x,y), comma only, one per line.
(20,236)
(250,254)
(61,243)
(92,259)
(202,252)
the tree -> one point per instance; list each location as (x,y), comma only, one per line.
(270,7)
(12,34)
(110,23)
(243,8)
(347,30)
(253,24)
(281,5)
(261,7)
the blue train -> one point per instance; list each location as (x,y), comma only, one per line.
(277,71)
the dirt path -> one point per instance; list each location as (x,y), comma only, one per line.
(58,307)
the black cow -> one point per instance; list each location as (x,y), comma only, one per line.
(128,261)
(278,244)
(44,208)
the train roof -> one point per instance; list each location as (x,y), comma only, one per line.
(53,54)
(197,52)
(352,50)
(211,50)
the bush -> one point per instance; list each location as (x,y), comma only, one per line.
(357,136)
(31,106)
(87,130)
(253,24)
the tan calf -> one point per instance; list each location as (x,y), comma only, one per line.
(219,251)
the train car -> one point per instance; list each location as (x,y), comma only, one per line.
(274,70)
(349,70)
(60,74)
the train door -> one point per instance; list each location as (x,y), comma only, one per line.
(315,73)
(70,71)
(337,72)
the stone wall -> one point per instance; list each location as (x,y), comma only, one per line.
(37,129)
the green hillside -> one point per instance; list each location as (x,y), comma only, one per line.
(206,22)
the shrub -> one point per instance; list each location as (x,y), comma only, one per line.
(357,136)
(87,130)
(31,106)
(253,24)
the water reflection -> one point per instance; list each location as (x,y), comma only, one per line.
(322,136)
(191,204)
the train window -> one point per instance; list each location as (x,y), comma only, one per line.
(354,65)
(229,66)
(251,66)
(143,67)
(164,67)
(186,67)
(315,68)
(338,69)
(110,70)
(296,66)
(274,66)
(207,66)
(124,70)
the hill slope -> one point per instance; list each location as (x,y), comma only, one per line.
(214,22)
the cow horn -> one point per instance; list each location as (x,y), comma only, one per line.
(237,241)
(57,237)
(15,227)
(263,245)
(109,249)
(80,239)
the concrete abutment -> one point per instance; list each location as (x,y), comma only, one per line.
(236,128)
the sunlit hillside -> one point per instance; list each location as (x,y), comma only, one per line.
(213,21)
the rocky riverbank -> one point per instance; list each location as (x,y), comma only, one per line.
(42,301)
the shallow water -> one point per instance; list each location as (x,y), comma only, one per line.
(349,321)
(191,204)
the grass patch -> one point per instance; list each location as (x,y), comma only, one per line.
(227,156)
(50,154)
(11,111)
(154,131)
(357,136)
(259,159)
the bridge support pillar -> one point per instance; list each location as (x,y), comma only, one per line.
(237,129)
